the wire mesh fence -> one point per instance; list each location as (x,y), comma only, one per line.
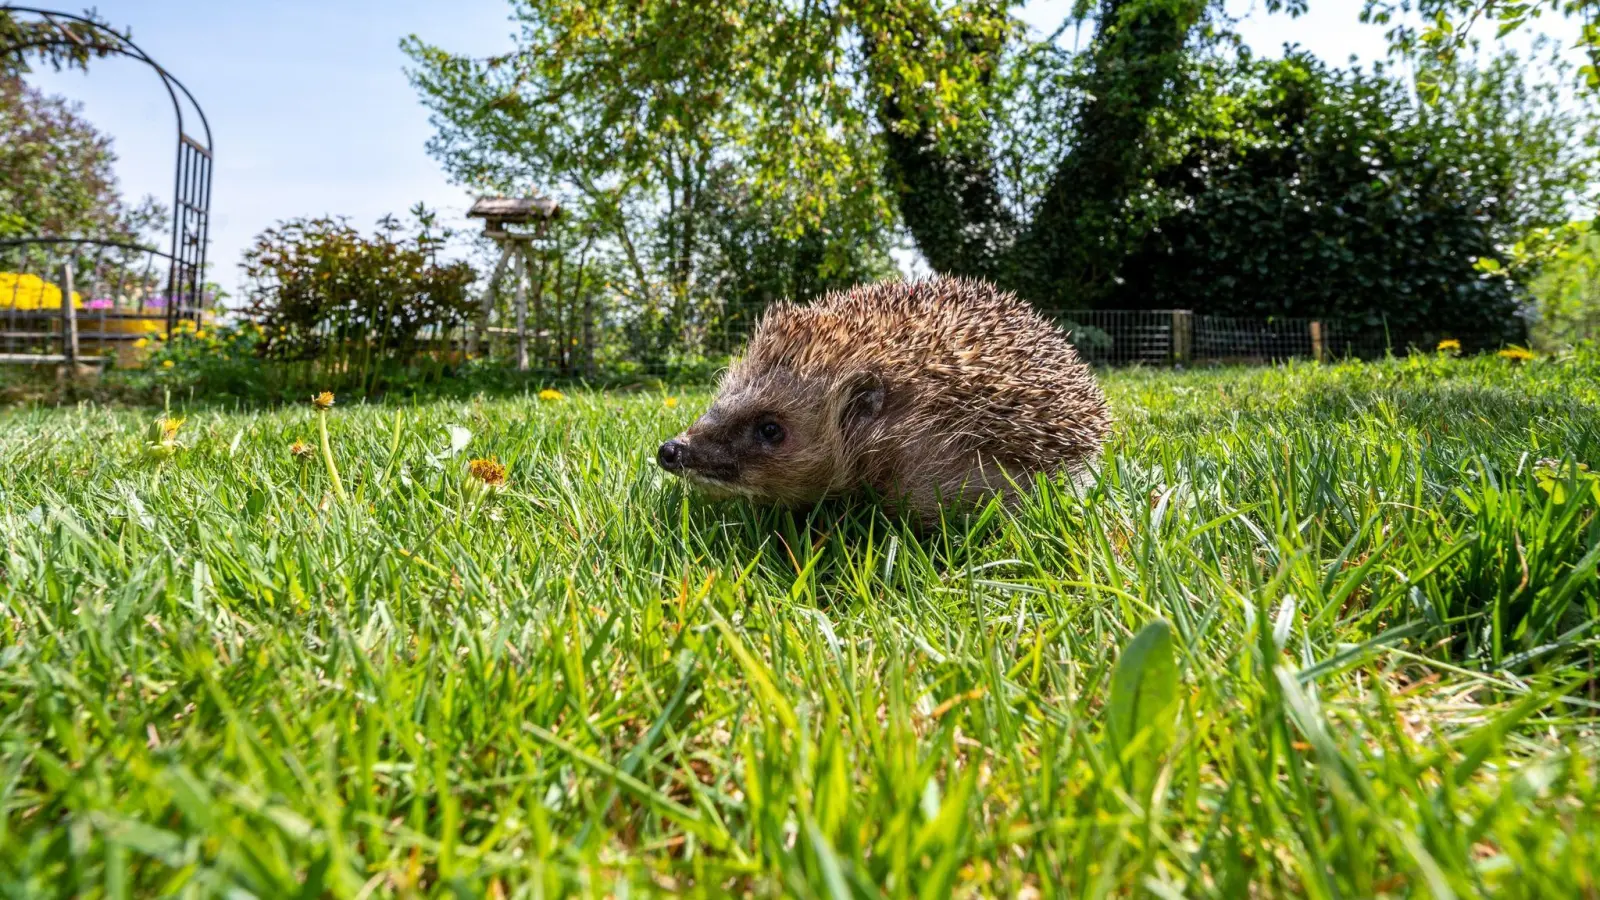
(623,341)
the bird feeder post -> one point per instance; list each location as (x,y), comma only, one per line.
(522,309)
(477,333)
(498,215)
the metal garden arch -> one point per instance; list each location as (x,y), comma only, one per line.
(41,30)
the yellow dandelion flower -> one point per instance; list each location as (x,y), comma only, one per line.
(162,438)
(200,333)
(672,403)
(323,401)
(166,364)
(489,471)
(301,450)
(550,394)
(1450,345)
(1516,354)
(141,343)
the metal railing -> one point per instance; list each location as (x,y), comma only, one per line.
(74,300)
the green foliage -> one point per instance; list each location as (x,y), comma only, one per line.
(59,43)
(665,127)
(1392,206)
(751,263)
(1566,283)
(1139,76)
(354,304)
(56,172)
(1143,706)
(216,677)
(1449,26)
(1080,180)
(222,359)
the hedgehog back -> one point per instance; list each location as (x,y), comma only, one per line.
(965,363)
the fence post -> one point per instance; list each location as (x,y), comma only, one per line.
(1182,335)
(69,324)
(1317,351)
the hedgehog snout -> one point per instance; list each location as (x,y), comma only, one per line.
(670,456)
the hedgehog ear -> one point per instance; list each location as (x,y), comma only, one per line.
(860,398)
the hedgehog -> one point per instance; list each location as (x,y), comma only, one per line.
(926,394)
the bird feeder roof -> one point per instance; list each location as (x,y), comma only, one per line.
(514,210)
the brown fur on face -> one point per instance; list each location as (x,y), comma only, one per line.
(725,452)
(929,393)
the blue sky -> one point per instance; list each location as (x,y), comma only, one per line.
(311,112)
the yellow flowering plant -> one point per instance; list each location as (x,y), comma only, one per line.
(162,438)
(219,353)
(26,291)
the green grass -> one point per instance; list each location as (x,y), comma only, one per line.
(1375,676)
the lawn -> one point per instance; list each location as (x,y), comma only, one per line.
(1315,631)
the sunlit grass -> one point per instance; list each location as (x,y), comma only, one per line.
(1379,583)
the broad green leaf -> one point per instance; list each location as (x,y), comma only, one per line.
(1144,698)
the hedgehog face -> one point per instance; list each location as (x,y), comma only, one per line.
(778,438)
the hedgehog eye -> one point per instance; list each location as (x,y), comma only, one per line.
(769,432)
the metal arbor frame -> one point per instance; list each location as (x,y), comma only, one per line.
(191,192)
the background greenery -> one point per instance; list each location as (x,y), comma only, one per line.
(1163,165)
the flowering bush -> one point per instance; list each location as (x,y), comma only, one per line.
(27,291)
(222,356)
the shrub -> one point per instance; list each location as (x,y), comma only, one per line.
(1566,289)
(1334,195)
(354,304)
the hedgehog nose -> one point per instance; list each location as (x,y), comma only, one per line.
(670,456)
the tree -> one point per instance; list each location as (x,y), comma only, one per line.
(56,172)
(630,110)
(1450,25)
(646,117)
(60,43)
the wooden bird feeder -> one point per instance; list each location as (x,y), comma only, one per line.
(506,221)
(499,212)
